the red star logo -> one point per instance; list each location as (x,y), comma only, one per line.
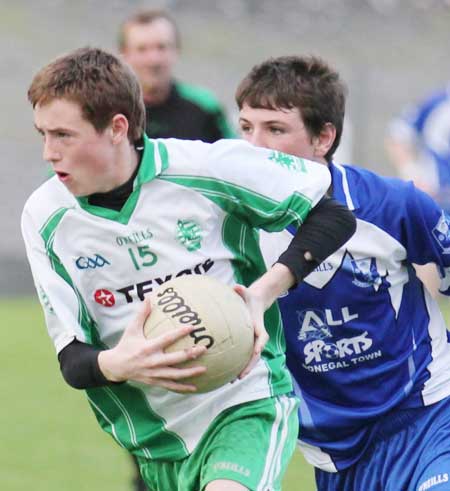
(104,297)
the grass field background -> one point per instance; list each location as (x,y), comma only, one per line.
(50,440)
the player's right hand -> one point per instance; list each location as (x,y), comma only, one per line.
(142,360)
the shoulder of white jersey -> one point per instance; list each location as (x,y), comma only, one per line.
(47,198)
(237,161)
(191,155)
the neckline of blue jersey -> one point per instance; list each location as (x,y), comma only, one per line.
(342,183)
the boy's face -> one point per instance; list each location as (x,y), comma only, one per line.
(82,158)
(151,51)
(277,129)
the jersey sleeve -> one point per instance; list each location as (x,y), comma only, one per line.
(426,234)
(264,188)
(57,297)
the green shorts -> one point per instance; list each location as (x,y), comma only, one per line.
(251,443)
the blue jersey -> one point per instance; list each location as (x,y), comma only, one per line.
(363,336)
(427,125)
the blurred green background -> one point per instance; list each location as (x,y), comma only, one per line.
(49,437)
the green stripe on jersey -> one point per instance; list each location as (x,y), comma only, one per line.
(154,159)
(85,320)
(124,413)
(164,154)
(248,265)
(246,204)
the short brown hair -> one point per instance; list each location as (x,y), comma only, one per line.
(99,82)
(147,17)
(307,83)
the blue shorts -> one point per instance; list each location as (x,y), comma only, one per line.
(410,451)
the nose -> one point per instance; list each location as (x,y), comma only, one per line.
(157,57)
(50,153)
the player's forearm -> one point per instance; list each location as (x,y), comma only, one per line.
(272,284)
(110,365)
(403,156)
(400,152)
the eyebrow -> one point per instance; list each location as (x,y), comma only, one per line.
(271,121)
(54,130)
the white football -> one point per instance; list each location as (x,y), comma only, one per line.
(221,320)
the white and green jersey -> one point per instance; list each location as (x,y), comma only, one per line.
(194,209)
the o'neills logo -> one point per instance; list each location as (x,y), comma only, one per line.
(134,237)
(175,305)
(433,481)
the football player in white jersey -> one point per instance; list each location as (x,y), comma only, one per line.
(366,344)
(111,226)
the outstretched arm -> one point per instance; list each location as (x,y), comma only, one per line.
(327,227)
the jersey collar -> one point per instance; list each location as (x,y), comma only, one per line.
(155,159)
(342,183)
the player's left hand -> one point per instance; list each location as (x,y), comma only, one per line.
(256,307)
(259,296)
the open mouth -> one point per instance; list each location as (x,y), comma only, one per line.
(63,176)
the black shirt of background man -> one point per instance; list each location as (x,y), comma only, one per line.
(189,113)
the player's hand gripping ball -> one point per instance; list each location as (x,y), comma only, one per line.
(221,320)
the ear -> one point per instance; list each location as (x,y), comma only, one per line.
(119,128)
(325,140)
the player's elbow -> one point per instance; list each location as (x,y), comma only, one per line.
(72,380)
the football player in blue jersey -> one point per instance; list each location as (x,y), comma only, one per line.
(366,343)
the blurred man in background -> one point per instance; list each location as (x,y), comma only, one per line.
(418,145)
(149,42)
(366,345)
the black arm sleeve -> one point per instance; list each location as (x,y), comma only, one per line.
(327,227)
(79,366)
